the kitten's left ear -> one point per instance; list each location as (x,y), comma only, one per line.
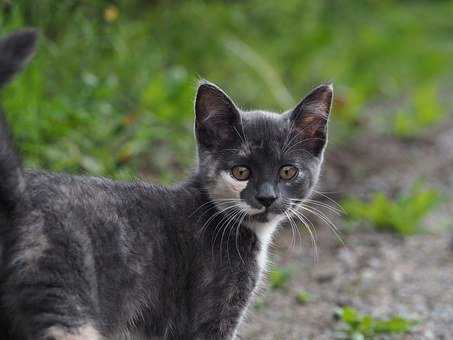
(216,116)
(309,118)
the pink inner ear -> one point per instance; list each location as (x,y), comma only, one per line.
(311,132)
(313,125)
(312,113)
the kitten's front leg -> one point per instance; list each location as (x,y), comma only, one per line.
(223,325)
(216,335)
(223,288)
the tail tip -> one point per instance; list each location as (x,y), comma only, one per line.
(15,51)
(21,44)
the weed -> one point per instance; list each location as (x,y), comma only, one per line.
(424,111)
(279,277)
(402,215)
(303,297)
(358,326)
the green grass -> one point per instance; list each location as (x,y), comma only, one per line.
(303,297)
(357,326)
(111,89)
(279,277)
(402,215)
(422,112)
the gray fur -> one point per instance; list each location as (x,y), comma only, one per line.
(91,258)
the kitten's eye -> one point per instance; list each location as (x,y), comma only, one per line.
(288,172)
(241,173)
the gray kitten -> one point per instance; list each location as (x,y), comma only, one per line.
(90,258)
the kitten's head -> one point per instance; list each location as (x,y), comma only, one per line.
(260,163)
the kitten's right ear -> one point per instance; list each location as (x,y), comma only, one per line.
(310,117)
(216,116)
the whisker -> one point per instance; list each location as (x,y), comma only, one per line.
(232,218)
(214,201)
(330,199)
(236,236)
(304,204)
(220,226)
(215,215)
(322,204)
(219,204)
(306,222)
(293,239)
(293,242)
(326,219)
(236,227)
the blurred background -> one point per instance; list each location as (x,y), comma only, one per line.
(111,93)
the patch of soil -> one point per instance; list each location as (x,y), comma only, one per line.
(376,273)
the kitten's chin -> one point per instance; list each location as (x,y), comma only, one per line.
(264,216)
(253,211)
(257,215)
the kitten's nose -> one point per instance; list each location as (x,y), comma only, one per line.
(266,195)
(266,200)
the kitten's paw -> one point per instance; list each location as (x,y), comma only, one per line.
(86,332)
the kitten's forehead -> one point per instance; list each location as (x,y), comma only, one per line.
(263,130)
(257,115)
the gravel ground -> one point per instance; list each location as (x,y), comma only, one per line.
(377,273)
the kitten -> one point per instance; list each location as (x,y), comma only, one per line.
(90,258)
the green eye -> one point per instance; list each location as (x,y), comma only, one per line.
(288,172)
(241,173)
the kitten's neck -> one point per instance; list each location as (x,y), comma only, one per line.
(265,232)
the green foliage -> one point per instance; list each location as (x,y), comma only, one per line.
(279,277)
(303,297)
(358,326)
(425,111)
(111,90)
(402,215)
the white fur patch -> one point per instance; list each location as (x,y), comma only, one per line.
(265,232)
(86,332)
(228,187)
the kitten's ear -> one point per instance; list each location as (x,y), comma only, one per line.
(309,118)
(216,116)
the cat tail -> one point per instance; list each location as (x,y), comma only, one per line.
(15,50)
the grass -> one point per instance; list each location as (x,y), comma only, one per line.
(357,326)
(279,277)
(402,215)
(422,112)
(111,89)
(303,297)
